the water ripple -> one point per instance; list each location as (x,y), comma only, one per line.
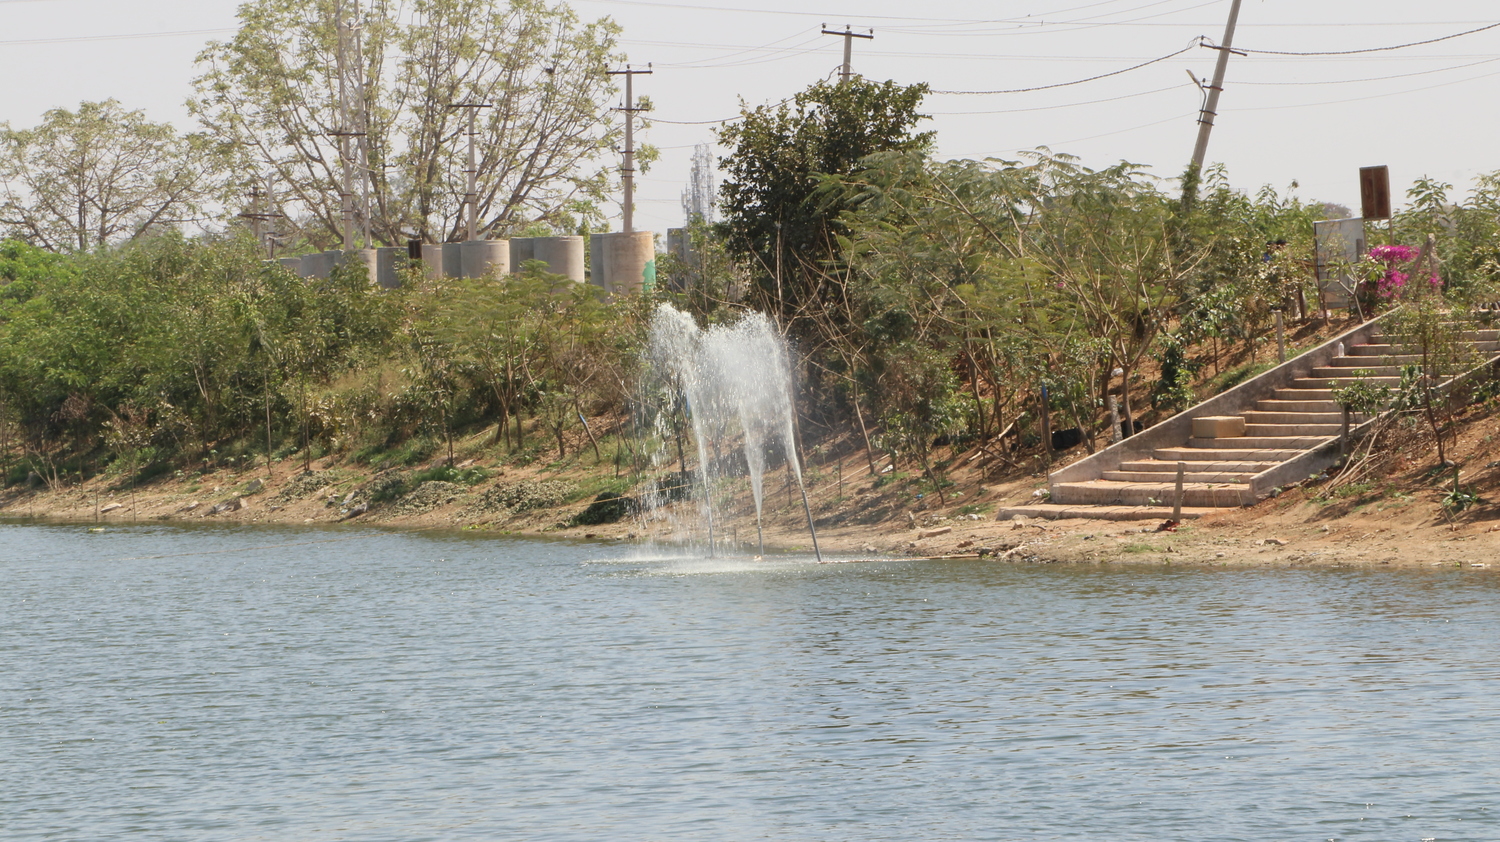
(223,684)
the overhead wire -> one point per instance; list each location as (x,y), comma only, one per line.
(1123,71)
(1369,49)
(124,37)
(1183,116)
(1136,95)
(1490,60)
(1382,95)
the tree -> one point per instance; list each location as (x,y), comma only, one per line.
(274,93)
(771,214)
(101,175)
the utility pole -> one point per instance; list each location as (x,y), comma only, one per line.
(346,194)
(1211,104)
(471,197)
(849,35)
(627,172)
(259,214)
(362,129)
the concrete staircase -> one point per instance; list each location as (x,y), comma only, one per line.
(1273,430)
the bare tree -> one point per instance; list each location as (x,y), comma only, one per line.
(101,175)
(273,92)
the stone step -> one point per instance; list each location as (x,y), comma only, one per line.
(1195,467)
(1103,492)
(1324,394)
(1063,511)
(1341,382)
(1373,349)
(1256,416)
(1293,430)
(1293,443)
(1374,360)
(1110,493)
(1488,335)
(1320,405)
(1326,372)
(1187,476)
(1208,454)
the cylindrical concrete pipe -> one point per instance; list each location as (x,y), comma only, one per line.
(563,255)
(389,261)
(432,260)
(522,249)
(485,258)
(453,264)
(317,265)
(367,259)
(623,263)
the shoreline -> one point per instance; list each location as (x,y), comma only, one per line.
(1288,532)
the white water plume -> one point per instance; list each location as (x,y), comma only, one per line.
(732,384)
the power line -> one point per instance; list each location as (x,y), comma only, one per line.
(82,38)
(1381,95)
(1173,118)
(739,50)
(1055,107)
(1078,81)
(774,54)
(1377,78)
(1373,49)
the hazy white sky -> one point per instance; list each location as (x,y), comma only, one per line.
(1314,120)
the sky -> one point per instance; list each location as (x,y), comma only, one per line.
(1283,119)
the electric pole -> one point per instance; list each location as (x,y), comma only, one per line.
(258,214)
(471,197)
(627,172)
(1211,104)
(346,194)
(849,35)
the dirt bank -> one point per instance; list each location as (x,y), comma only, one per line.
(1395,520)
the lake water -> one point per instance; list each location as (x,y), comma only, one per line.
(276,684)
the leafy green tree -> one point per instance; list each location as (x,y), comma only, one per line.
(772,217)
(272,92)
(102,175)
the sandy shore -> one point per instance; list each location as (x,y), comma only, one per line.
(1384,530)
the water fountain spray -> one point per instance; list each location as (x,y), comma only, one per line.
(733,381)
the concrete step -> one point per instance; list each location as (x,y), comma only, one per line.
(1256,416)
(1063,511)
(1207,454)
(1488,335)
(1320,405)
(1324,394)
(1187,476)
(1292,430)
(1373,349)
(1326,372)
(1103,492)
(1193,468)
(1293,443)
(1341,382)
(1371,360)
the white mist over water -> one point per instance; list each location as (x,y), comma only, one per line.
(732,383)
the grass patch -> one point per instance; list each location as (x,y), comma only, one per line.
(448,473)
(1138,547)
(1235,376)
(407,453)
(976,509)
(594,486)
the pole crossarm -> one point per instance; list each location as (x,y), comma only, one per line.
(848,35)
(627,168)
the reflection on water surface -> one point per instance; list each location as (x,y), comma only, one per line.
(232,683)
